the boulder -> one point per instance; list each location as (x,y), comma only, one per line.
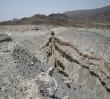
(47,84)
(5,38)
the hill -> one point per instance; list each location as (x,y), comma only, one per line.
(53,19)
(91,17)
(99,15)
(61,65)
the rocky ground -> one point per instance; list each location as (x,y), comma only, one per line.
(24,70)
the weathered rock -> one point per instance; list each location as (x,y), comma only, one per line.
(5,38)
(47,84)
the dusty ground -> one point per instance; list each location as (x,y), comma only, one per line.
(25,50)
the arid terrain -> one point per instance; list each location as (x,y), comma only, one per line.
(72,63)
(99,17)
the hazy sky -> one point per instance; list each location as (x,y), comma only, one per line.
(20,8)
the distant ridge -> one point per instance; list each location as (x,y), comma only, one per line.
(99,16)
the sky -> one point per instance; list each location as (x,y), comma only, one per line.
(10,9)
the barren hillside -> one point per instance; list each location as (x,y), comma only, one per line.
(99,17)
(74,63)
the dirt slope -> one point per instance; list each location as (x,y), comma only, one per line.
(24,72)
